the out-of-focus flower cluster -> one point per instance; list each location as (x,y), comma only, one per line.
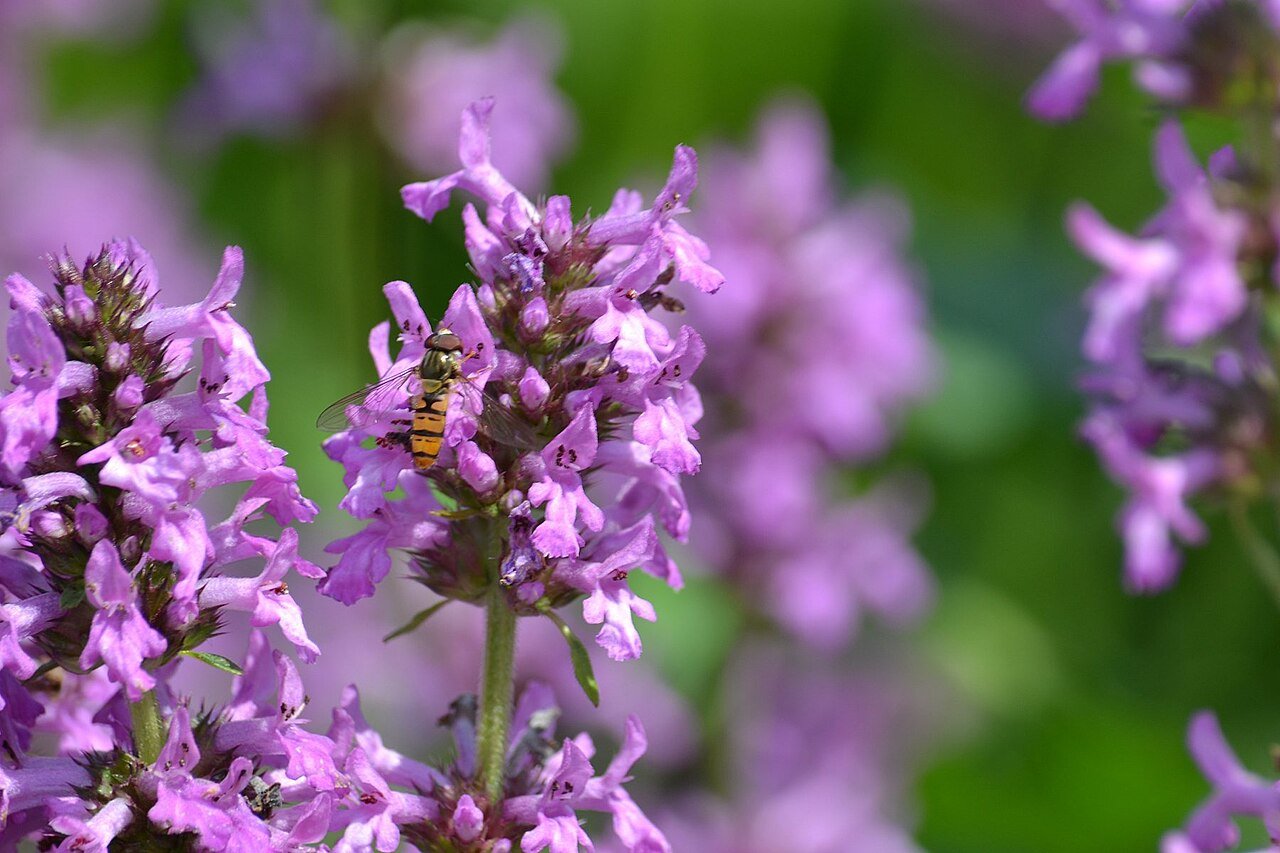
(813,355)
(77,191)
(805,737)
(1182,341)
(558,337)
(1185,53)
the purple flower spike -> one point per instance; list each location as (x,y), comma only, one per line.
(1149,31)
(573,415)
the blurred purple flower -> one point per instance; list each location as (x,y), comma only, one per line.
(433,75)
(782,409)
(804,739)
(268,71)
(1150,31)
(1236,793)
(1177,388)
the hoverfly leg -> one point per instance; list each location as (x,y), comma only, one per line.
(394,440)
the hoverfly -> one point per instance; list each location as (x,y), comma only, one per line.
(429,386)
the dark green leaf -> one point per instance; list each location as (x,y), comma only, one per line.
(71,596)
(457,514)
(416,622)
(578,654)
(215,661)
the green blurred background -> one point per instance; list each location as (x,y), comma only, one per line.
(1074,696)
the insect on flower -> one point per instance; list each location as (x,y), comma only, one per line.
(430,385)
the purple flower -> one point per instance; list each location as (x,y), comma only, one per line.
(93,834)
(33,784)
(1185,267)
(547,789)
(1178,350)
(82,191)
(120,637)
(560,488)
(1236,792)
(1147,30)
(266,596)
(436,74)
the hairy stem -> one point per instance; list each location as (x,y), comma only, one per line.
(1263,556)
(495,692)
(148,728)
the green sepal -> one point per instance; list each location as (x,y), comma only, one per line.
(582,669)
(216,661)
(71,596)
(416,622)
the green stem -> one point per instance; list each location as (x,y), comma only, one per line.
(1265,560)
(148,728)
(496,690)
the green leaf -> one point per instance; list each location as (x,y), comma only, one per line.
(215,661)
(578,654)
(416,622)
(457,514)
(71,596)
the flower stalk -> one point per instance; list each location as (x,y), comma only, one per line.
(148,728)
(497,688)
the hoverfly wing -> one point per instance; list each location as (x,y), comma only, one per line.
(502,425)
(370,404)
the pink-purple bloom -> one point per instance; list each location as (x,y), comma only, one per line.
(548,784)
(1178,364)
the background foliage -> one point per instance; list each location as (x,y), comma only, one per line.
(1061,701)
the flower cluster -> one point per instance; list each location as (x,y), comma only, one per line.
(1184,52)
(1181,338)
(1181,353)
(111,570)
(813,353)
(249,777)
(547,784)
(572,421)
(1181,364)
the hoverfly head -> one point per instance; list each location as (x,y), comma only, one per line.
(445,341)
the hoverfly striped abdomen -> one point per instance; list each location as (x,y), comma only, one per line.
(430,386)
(438,373)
